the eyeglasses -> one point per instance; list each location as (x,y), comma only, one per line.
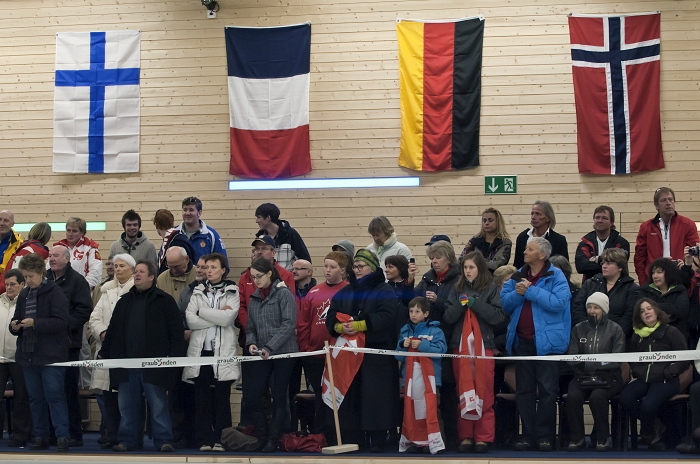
(191,200)
(359,267)
(257,277)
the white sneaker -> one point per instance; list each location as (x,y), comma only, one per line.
(217,447)
(205,448)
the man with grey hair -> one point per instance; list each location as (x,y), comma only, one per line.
(543,221)
(77,291)
(537,300)
(180,272)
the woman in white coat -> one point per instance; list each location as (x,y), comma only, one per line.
(210,315)
(111,291)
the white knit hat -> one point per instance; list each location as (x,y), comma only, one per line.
(599,299)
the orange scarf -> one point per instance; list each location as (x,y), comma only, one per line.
(471,372)
(420,420)
(345,364)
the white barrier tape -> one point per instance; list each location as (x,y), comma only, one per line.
(138,363)
(654,356)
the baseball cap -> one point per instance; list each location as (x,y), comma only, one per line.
(437,238)
(266,239)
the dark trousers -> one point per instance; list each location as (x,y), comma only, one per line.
(313,370)
(21,415)
(294,388)
(213,411)
(256,384)
(112,415)
(538,418)
(655,396)
(75,419)
(695,406)
(599,401)
(449,404)
(181,402)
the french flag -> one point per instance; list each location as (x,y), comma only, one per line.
(268,87)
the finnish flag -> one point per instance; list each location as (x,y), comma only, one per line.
(97,102)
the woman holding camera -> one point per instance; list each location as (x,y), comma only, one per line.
(595,381)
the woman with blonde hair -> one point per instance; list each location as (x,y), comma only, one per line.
(492,240)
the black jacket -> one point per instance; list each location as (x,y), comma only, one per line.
(487,308)
(404,294)
(287,235)
(181,240)
(622,296)
(597,337)
(675,303)
(496,254)
(50,326)
(79,297)
(558,241)
(443,290)
(589,247)
(664,338)
(370,299)
(165,336)
(691,281)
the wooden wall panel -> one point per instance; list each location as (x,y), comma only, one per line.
(527,125)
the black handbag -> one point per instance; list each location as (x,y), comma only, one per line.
(591,382)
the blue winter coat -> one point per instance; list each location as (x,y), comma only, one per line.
(550,310)
(433,341)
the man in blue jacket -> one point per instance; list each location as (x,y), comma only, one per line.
(537,300)
(204,239)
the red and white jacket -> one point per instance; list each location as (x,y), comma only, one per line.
(311,320)
(30,246)
(85,259)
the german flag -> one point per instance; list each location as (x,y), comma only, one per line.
(440,76)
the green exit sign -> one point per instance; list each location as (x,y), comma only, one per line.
(500,185)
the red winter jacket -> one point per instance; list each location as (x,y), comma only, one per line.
(650,244)
(30,246)
(311,321)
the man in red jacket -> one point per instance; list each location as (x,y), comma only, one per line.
(664,236)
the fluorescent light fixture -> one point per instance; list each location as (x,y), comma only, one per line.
(57,226)
(363,182)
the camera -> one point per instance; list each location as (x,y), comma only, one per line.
(694,251)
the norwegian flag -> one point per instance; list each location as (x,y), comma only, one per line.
(616,71)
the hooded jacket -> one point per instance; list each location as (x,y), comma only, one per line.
(290,246)
(622,297)
(200,317)
(368,299)
(141,249)
(650,244)
(25,248)
(99,322)
(432,341)
(675,303)
(488,310)
(50,327)
(551,312)
(596,337)
(391,247)
(589,247)
(664,338)
(14,241)
(272,321)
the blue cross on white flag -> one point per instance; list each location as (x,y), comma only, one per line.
(97,102)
